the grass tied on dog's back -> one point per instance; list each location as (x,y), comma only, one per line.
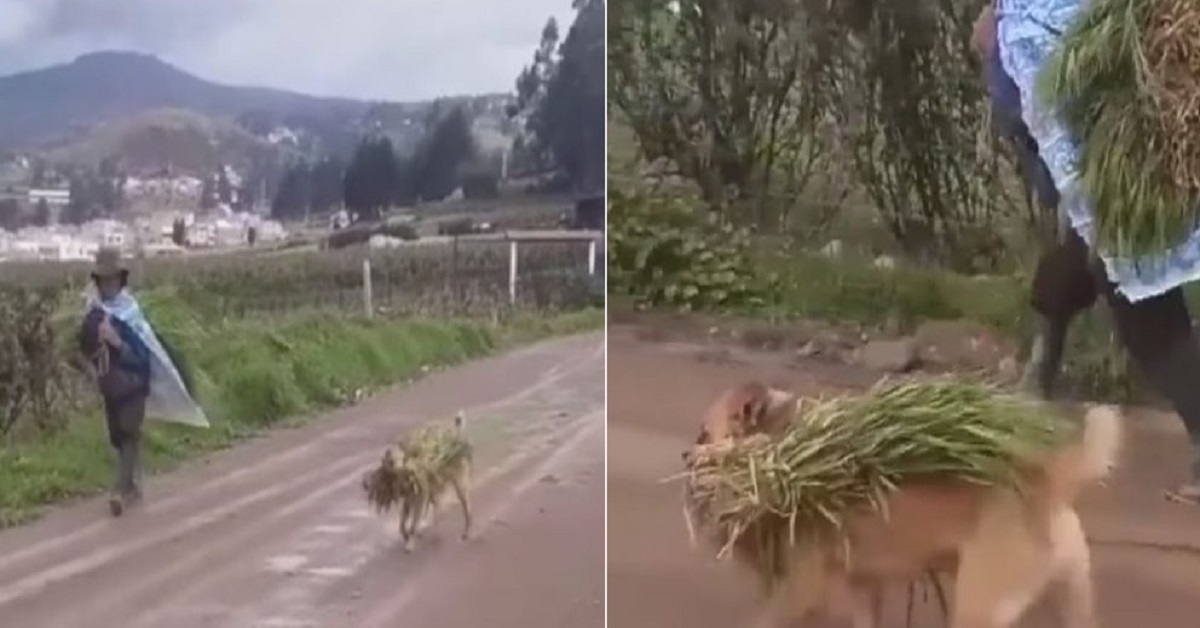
(1125,81)
(429,459)
(850,453)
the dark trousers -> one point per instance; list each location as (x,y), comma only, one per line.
(125,418)
(1157,332)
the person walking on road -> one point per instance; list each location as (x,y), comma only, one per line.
(119,362)
(1156,331)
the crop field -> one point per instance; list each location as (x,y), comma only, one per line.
(466,278)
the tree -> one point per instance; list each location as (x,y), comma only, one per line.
(752,99)
(83,206)
(531,94)
(446,147)
(10,214)
(562,100)
(224,189)
(294,196)
(179,232)
(326,184)
(480,183)
(715,89)
(41,213)
(108,185)
(208,193)
(38,174)
(372,183)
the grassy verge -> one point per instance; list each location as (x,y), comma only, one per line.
(855,291)
(252,376)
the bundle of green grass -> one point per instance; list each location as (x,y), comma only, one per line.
(762,496)
(1125,81)
(420,466)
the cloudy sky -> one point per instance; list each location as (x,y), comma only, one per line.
(379,49)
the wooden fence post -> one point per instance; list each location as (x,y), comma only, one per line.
(367,300)
(592,258)
(512,273)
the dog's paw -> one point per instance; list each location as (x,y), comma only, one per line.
(409,546)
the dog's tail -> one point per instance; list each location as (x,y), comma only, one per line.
(1089,459)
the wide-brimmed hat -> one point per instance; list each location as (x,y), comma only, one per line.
(108,263)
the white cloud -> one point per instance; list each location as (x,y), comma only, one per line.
(394,49)
(17,21)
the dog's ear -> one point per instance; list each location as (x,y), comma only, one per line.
(759,409)
(749,404)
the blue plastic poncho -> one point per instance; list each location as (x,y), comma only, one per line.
(1026,33)
(169,399)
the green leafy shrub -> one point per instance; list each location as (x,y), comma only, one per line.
(660,254)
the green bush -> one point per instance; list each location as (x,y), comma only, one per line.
(661,255)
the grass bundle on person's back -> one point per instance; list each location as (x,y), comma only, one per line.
(1125,81)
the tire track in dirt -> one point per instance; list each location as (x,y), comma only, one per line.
(184,551)
(180,582)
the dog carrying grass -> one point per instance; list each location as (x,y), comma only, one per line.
(848,453)
(414,473)
(830,500)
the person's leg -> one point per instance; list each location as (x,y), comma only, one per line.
(131,415)
(1063,286)
(1157,332)
(116,438)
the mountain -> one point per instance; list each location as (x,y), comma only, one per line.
(66,99)
(181,139)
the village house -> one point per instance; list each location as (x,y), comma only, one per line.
(233,231)
(44,244)
(107,233)
(53,197)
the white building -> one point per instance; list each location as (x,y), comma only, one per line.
(270,231)
(201,235)
(22,250)
(52,197)
(52,247)
(108,233)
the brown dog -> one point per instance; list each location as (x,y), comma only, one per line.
(419,507)
(1004,546)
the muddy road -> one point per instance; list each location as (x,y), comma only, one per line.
(1146,551)
(276,533)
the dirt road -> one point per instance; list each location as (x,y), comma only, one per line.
(1146,551)
(276,533)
